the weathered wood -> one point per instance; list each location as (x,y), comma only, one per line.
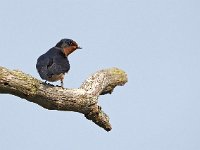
(83,99)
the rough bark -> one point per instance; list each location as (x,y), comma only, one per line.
(83,100)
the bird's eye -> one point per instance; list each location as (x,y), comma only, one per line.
(70,43)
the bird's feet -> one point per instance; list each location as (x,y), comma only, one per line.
(62,84)
(45,83)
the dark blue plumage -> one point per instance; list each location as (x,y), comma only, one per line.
(53,62)
(53,65)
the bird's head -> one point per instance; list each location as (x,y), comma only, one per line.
(67,46)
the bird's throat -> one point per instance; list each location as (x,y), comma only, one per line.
(68,50)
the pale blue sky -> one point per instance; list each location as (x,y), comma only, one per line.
(156,42)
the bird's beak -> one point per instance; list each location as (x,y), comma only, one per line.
(79,47)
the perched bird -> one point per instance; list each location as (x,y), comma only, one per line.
(53,65)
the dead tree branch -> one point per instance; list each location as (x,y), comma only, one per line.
(83,100)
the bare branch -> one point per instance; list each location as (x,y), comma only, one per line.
(83,99)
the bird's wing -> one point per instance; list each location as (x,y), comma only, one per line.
(59,65)
(43,63)
(48,66)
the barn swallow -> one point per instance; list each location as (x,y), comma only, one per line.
(53,65)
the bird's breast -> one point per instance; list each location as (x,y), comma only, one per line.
(54,78)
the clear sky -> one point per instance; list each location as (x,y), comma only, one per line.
(157,42)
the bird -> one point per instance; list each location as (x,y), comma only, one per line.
(54,64)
